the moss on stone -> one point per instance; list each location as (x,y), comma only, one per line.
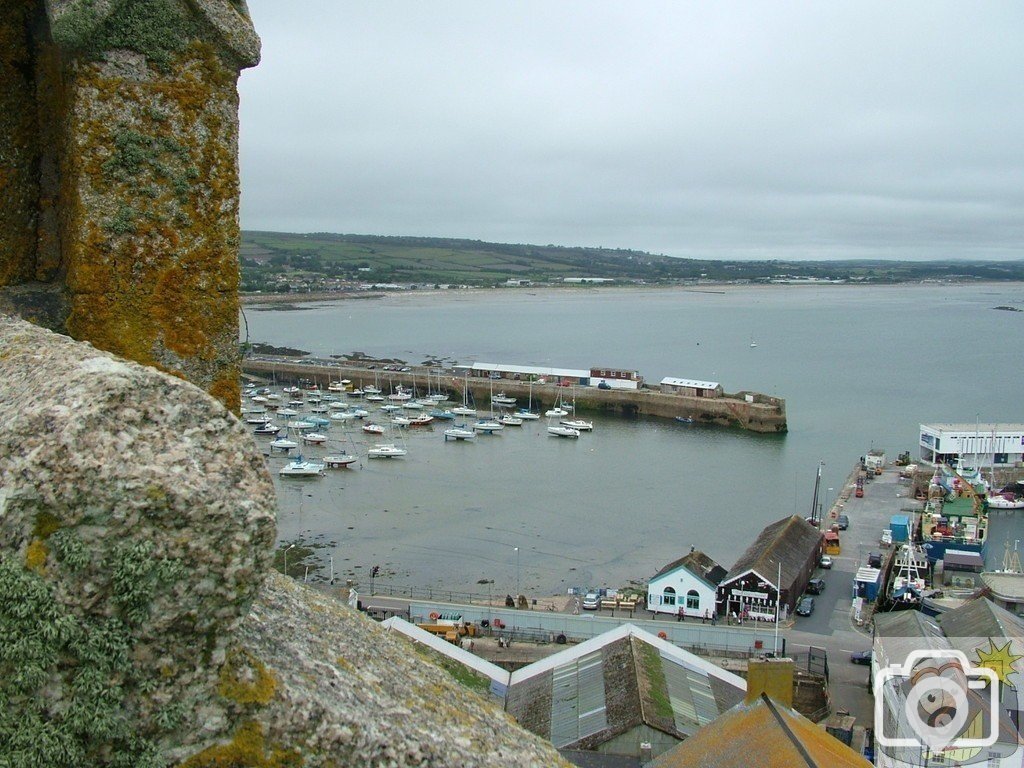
(244,679)
(35,556)
(247,749)
(46,525)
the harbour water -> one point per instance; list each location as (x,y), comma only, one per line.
(860,367)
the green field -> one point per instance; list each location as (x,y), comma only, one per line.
(271,260)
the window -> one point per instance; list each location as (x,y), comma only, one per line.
(669,598)
(692,600)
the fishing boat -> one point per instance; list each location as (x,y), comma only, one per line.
(373,429)
(301,468)
(510,421)
(459,432)
(421,421)
(503,400)
(909,572)
(267,428)
(560,430)
(386,451)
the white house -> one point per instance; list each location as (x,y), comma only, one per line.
(686,586)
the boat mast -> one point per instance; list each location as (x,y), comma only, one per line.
(814,501)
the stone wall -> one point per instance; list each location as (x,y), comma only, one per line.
(140,625)
(119,222)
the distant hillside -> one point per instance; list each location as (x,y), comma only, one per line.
(277,261)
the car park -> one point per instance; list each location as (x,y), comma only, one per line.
(591,601)
(815,586)
(826,561)
(805,606)
(861,657)
(843,522)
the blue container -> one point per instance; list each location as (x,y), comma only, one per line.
(900,527)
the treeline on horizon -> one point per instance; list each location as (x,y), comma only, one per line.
(281,261)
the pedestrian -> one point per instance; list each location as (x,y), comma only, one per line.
(706,617)
(714,619)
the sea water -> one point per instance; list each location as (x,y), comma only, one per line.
(859,367)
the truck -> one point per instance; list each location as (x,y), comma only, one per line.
(874,461)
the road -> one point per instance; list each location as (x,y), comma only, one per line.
(831,626)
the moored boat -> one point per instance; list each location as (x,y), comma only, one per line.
(301,468)
(386,451)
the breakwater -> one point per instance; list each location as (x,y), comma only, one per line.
(751,411)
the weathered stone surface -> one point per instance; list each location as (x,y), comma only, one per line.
(136,524)
(348,693)
(119,180)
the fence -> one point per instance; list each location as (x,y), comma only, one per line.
(703,639)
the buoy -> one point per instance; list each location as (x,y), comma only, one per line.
(435,616)
(663,635)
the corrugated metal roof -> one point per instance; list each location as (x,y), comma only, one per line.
(530,370)
(577,700)
(695,383)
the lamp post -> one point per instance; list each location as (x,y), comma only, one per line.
(286,559)
(517,571)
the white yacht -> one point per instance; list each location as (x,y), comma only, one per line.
(386,451)
(301,468)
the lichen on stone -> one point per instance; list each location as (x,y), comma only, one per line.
(244,679)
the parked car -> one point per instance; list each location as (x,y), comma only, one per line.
(815,586)
(405,369)
(591,601)
(826,561)
(805,606)
(604,385)
(875,559)
(861,657)
(843,522)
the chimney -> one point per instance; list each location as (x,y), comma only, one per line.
(773,677)
(646,753)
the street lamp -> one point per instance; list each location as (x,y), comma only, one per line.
(286,559)
(517,571)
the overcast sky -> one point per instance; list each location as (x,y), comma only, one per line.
(703,129)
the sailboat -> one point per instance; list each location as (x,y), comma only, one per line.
(301,468)
(752,342)
(459,432)
(464,409)
(527,412)
(580,424)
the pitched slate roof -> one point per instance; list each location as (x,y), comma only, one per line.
(789,541)
(699,564)
(760,734)
(981,618)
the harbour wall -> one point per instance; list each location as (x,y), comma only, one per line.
(751,411)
